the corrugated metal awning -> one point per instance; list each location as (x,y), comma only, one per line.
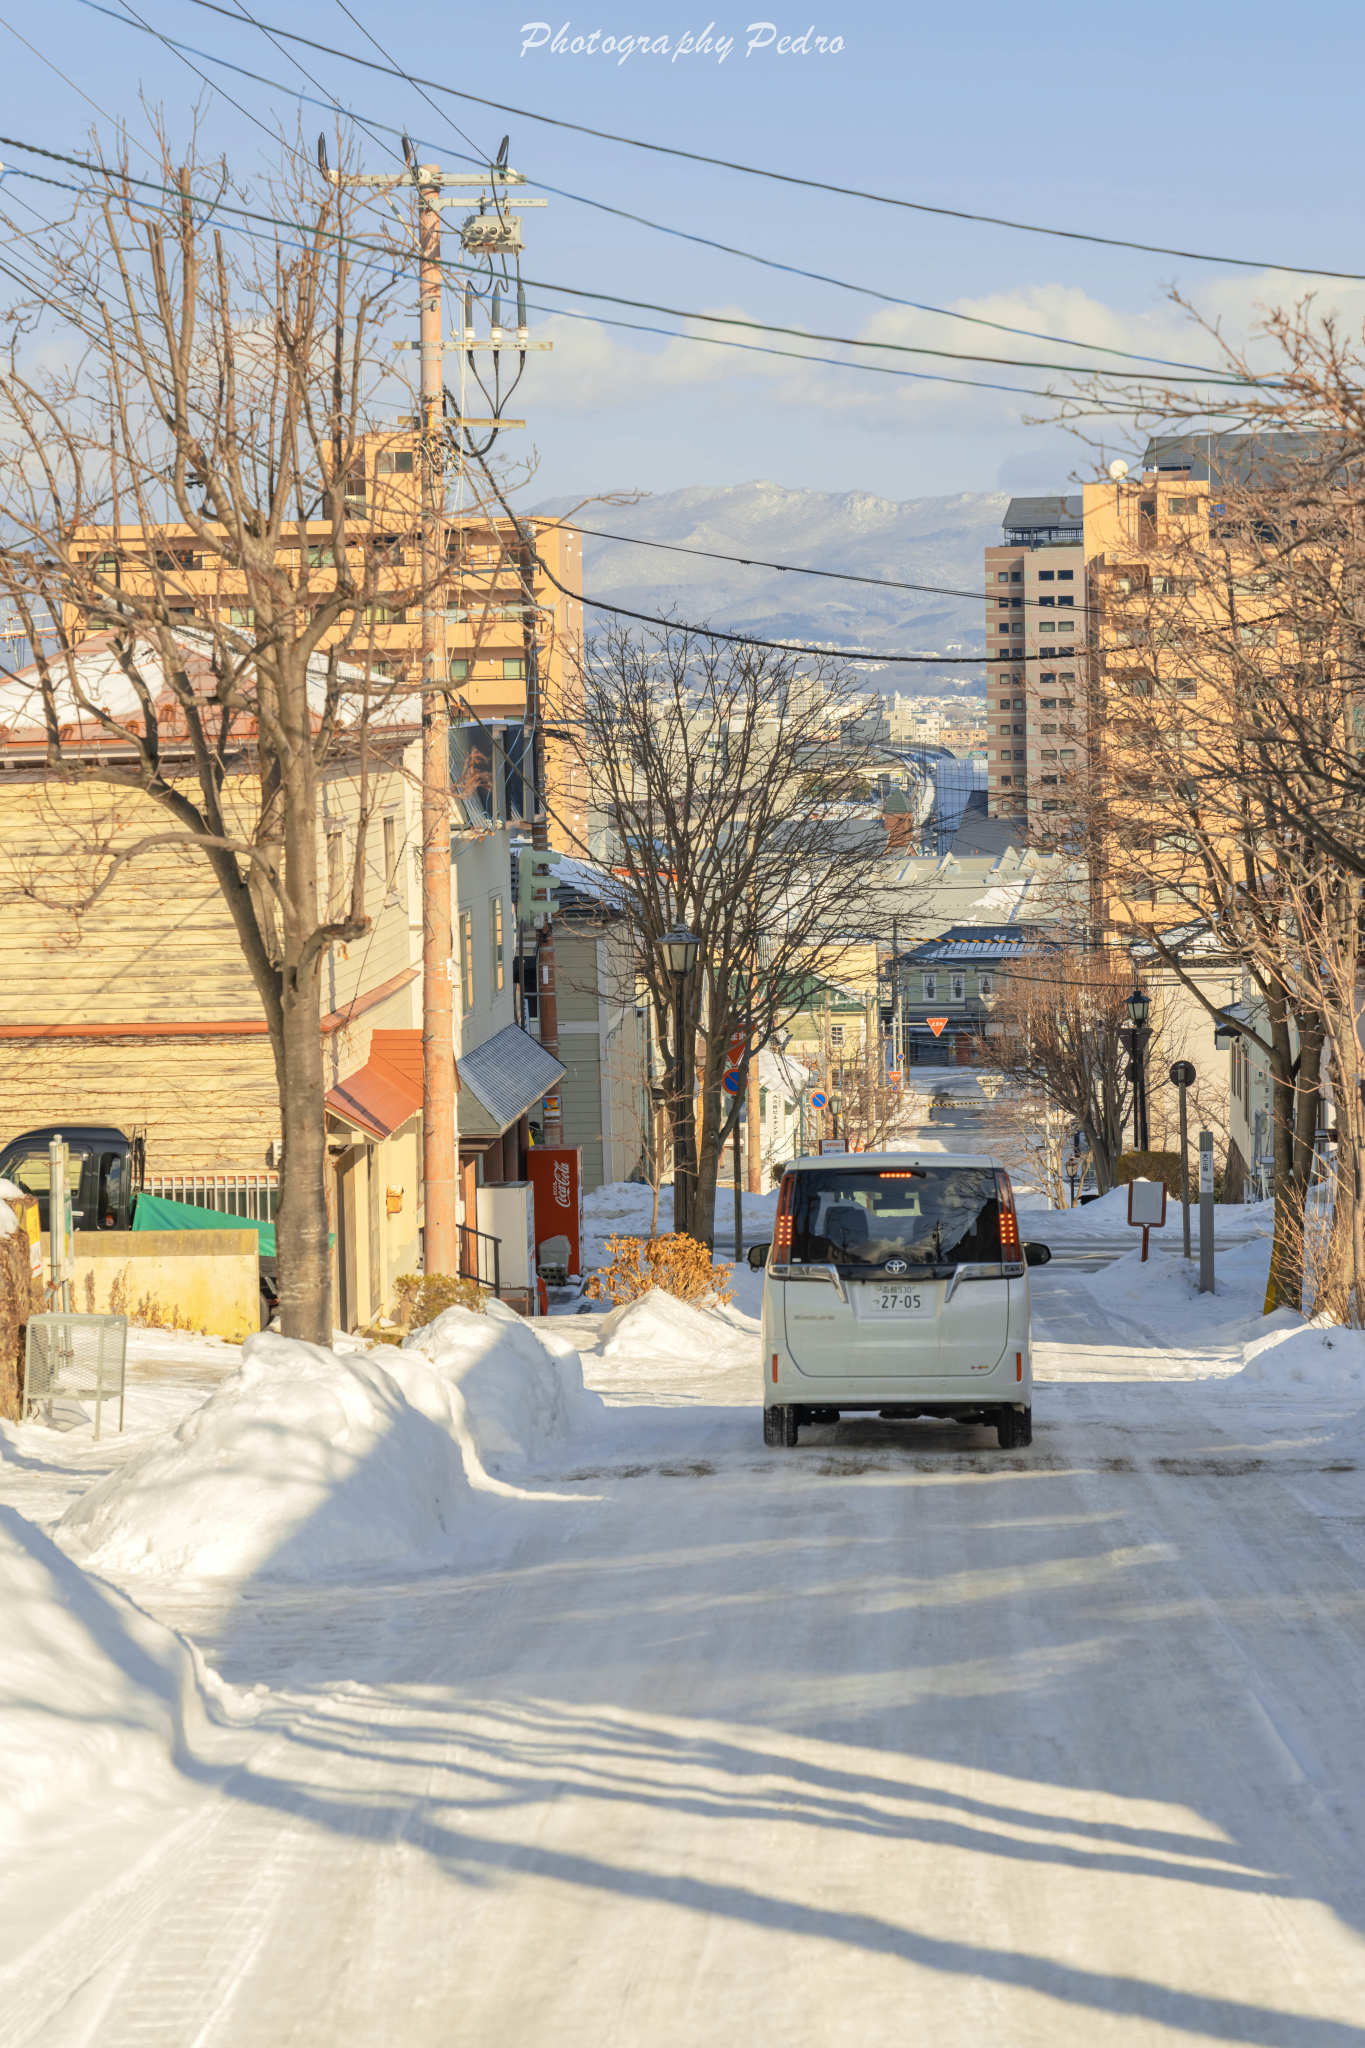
(502,1079)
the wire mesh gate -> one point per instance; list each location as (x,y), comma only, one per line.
(77,1358)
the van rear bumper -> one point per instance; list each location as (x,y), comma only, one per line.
(965,1392)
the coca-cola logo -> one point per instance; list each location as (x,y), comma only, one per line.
(562,1184)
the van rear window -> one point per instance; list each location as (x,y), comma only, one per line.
(928,1216)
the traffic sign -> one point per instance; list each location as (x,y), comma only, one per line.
(937,1025)
(819,1099)
(1184,1074)
(730,1082)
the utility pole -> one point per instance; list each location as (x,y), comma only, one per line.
(547,1006)
(440,1144)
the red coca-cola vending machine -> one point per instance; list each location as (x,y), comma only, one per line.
(556,1176)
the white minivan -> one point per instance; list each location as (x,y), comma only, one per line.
(896,1282)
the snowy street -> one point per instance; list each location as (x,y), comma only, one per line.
(892,1731)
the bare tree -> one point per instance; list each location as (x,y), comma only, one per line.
(192,466)
(1058,1022)
(728,778)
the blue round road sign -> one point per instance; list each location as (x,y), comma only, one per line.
(731,1083)
(819,1099)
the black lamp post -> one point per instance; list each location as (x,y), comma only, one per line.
(1138,1005)
(679,948)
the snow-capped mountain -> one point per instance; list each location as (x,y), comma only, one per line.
(919,540)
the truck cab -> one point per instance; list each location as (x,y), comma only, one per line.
(104,1172)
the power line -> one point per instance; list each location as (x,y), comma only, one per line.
(790,178)
(789,568)
(658,227)
(221,206)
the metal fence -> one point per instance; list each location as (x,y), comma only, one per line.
(254,1196)
(75,1358)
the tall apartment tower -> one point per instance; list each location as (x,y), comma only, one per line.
(1035,646)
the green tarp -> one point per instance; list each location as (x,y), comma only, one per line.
(154,1212)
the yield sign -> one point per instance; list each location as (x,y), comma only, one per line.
(936,1025)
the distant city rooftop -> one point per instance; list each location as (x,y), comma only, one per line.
(1043,522)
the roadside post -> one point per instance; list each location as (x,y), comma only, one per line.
(1206,1212)
(1147,1207)
(1183,1076)
(1071,1167)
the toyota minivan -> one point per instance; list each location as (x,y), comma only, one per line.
(897,1282)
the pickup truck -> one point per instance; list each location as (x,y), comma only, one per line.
(105,1172)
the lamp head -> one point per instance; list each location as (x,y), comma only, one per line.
(679,948)
(1138,1006)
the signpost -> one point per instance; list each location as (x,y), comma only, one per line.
(1147,1207)
(1206,1285)
(1183,1076)
(1071,1167)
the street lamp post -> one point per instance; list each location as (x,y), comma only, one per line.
(679,949)
(1138,1005)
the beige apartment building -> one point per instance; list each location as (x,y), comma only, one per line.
(1036,632)
(490,624)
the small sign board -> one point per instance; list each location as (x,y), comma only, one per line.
(1147,1207)
(833,1145)
(1184,1074)
(730,1082)
(818,1099)
(1205,1165)
(938,1025)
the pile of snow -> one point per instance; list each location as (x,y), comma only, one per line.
(302,1464)
(514,1387)
(310,1463)
(1107,1217)
(1315,1355)
(658,1328)
(99,1704)
(1162,1296)
(8,1193)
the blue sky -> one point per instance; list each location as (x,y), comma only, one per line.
(1180,126)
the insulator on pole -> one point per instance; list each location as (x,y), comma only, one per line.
(521,314)
(497,319)
(469,316)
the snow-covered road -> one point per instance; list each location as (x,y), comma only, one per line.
(891,1738)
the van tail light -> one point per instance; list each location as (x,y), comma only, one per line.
(782,1234)
(1009,1222)
(774,1368)
(1018,1365)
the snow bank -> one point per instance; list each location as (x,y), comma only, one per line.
(303,1464)
(659,1328)
(1107,1217)
(1310,1355)
(514,1387)
(99,1704)
(1163,1295)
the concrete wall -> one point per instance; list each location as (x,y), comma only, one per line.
(187,1279)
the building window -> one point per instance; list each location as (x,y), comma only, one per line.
(1068,754)
(836,1034)
(241,615)
(459,671)
(1048,781)
(1002,576)
(931,980)
(1066,575)
(1004,703)
(1066,680)
(1182,507)
(1046,575)
(1049,753)
(959,987)
(983,984)
(1184,687)
(513,671)
(1004,782)
(1047,704)
(390,857)
(1066,625)
(495,942)
(467,960)
(393,465)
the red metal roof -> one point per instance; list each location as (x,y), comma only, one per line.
(386,1091)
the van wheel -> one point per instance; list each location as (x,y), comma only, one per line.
(779,1428)
(1014,1428)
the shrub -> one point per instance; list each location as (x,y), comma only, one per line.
(1156,1166)
(418,1298)
(677,1263)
